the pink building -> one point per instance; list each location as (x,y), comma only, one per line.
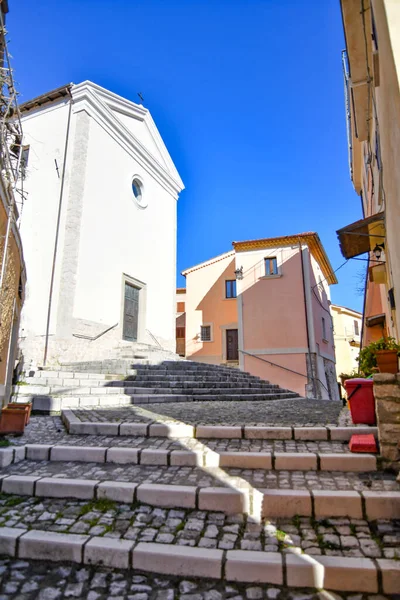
(265,306)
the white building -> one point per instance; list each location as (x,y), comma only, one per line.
(98,226)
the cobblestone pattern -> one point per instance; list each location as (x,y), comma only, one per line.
(209,476)
(143,523)
(296,412)
(51,430)
(31,580)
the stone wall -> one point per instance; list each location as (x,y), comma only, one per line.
(387,399)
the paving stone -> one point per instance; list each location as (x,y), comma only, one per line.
(382,505)
(118,491)
(108,552)
(295,461)
(51,487)
(123,456)
(178,560)
(231,501)
(337,503)
(390,570)
(73,453)
(8,539)
(46,545)
(286,503)
(264,567)
(167,495)
(268,433)
(21,485)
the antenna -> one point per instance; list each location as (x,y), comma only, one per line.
(141,97)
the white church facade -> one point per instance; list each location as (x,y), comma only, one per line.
(98,226)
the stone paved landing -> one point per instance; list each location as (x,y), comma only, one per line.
(204,529)
(30,580)
(208,476)
(293,412)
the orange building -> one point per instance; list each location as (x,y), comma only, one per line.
(265,307)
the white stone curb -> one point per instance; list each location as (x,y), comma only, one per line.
(335,573)
(286,461)
(265,502)
(181,430)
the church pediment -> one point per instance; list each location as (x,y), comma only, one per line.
(132,125)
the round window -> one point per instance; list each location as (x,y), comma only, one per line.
(137,190)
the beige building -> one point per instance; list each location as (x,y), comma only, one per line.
(180,321)
(372,69)
(264,307)
(347,324)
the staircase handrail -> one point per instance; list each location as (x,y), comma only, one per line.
(282,367)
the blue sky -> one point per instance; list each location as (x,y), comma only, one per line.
(248,96)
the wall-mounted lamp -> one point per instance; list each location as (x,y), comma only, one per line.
(378,250)
(239,273)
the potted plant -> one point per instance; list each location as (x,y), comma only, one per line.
(26,406)
(12,420)
(353,375)
(380,356)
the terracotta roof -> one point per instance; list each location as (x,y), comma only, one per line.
(310,238)
(208,262)
(56,94)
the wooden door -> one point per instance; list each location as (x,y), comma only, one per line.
(232,352)
(131,313)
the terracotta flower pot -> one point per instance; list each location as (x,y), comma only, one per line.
(12,420)
(387,361)
(27,406)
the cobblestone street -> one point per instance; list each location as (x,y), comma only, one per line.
(30,580)
(298,411)
(142,523)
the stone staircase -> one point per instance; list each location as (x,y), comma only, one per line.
(102,383)
(211,500)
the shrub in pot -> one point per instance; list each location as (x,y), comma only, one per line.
(380,356)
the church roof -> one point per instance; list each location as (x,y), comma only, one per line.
(114,113)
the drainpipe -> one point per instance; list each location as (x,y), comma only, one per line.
(57,230)
(308,318)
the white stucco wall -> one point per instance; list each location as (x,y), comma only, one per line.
(44,132)
(103,234)
(119,237)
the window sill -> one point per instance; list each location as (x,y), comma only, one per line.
(271,276)
(229,299)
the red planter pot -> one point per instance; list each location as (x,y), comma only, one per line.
(26,406)
(387,361)
(13,420)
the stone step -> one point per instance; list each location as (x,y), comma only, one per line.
(257,503)
(330,572)
(178,430)
(46,403)
(147,381)
(116,388)
(203,457)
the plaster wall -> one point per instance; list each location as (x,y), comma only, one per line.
(387,18)
(44,132)
(104,236)
(117,237)
(273,317)
(206,305)
(344,333)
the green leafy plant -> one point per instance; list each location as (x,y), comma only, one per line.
(352,375)
(367,357)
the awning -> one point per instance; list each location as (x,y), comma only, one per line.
(362,236)
(375,320)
